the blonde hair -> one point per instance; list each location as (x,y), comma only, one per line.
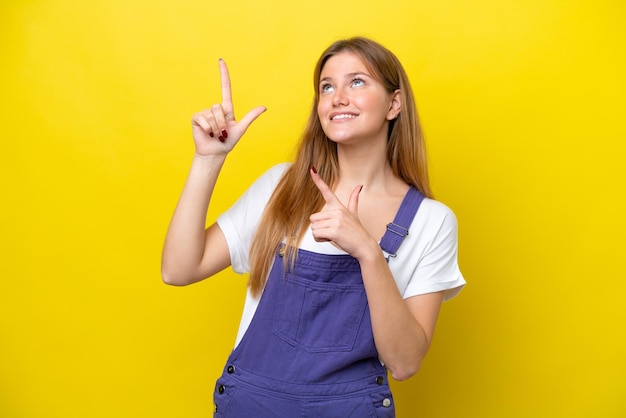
(296,197)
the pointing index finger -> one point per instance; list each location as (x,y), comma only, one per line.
(327,194)
(227,101)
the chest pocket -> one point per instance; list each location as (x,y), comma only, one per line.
(318,316)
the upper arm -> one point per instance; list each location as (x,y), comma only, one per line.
(216,255)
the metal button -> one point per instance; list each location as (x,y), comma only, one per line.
(380,380)
(230,369)
(386,402)
(221,389)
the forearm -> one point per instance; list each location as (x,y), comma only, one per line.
(184,246)
(400,340)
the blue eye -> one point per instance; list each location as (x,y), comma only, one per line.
(326,88)
(357,82)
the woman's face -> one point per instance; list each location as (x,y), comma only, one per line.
(353,106)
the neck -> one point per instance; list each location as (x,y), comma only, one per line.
(365,165)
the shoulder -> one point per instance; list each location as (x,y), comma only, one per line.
(275,173)
(267,182)
(433,212)
(433,225)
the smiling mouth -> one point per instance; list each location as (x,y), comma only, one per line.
(343,116)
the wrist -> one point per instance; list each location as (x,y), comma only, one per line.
(209,160)
(370,253)
(207,166)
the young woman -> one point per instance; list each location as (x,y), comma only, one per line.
(349,256)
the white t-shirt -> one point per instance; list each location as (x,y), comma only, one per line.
(426,261)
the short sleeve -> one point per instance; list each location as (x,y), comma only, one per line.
(240,222)
(436,253)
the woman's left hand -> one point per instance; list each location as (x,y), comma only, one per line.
(337,223)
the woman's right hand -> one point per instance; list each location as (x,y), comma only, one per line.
(215,130)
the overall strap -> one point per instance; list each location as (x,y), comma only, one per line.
(399,228)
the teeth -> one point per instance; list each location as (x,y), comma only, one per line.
(344,116)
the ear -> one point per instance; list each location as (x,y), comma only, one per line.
(395,106)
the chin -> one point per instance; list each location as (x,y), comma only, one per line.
(339,137)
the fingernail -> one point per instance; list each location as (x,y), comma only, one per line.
(224,133)
(221,138)
(211,134)
(314,169)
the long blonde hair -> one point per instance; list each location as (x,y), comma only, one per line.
(296,197)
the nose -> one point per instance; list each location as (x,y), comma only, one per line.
(340,98)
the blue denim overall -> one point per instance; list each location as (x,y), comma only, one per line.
(309,350)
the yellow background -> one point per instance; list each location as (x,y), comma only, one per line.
(523,107)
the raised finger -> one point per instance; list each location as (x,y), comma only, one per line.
(227,100)
(327,194)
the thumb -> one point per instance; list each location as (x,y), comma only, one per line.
(353,203)
(250,117)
